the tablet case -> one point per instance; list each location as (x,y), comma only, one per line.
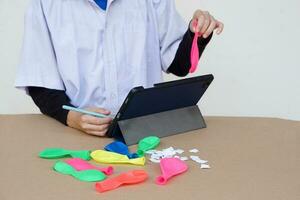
(166,109)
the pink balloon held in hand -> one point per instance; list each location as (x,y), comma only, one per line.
(170,167)
(195,50)
(80,165)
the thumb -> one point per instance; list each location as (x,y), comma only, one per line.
(193,25)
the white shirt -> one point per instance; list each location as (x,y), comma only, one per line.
(98,56)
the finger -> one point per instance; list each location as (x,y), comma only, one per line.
(200,23)
(100,110)
(197,14)
(211,28)
(220,27)
(97,133)
(92,127)
(95,120)
(192,25)
(206,22)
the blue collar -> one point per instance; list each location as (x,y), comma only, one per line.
(101,3)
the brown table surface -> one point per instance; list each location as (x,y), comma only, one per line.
(251,158)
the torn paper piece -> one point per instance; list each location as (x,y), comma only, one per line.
(179,151)
(157,156)
(168,156)
(151,151)
(158,153)
(202,161)
(170,149)
(194,151)
(198,160)
(184,158)
(195,158)
(154,160)
(204,166)
(169,152)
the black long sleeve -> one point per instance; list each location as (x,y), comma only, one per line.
(50,102)
(181,63)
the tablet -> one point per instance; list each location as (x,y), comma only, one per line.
(162,97)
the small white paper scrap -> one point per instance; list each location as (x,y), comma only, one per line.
(151,151)
(198,160)
(170,149)
(184,158)
(154,160)
(179,151)
(195,158)
(194,151)
(204,166)
(157,156)
(202,161)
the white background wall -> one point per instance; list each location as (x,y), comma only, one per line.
(256,61)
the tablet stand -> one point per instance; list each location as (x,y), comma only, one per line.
(161,124)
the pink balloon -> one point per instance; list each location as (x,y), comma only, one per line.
(194,51)
(170,167)
(80,165)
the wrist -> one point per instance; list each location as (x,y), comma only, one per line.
(72,119)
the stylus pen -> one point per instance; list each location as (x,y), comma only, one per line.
(84,111)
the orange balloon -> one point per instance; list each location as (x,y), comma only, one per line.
(131,177)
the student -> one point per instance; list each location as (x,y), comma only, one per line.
(90,53)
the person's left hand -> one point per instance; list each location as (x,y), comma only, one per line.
(206,23)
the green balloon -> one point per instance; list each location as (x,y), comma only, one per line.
(146,144)
(84,154)
(60,153)
(90,175)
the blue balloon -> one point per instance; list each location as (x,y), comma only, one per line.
(121,148)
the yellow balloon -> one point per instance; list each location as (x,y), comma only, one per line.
(115,158)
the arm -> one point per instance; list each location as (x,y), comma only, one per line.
(50,103)
(206,24)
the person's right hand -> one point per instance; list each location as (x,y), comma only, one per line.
(90,124)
